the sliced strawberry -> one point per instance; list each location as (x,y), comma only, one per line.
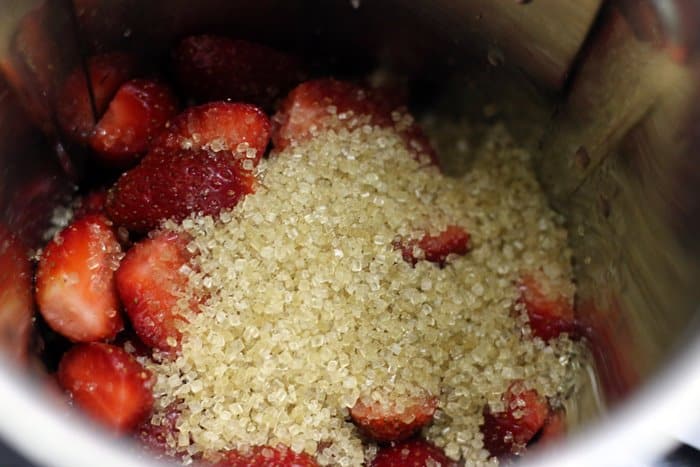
(16,306)
(454,240)
(108,383)
(550,312)
(213,68)
(150,282)
(136,114)
(91,203)
(266,456)
(74,110)
(382,423)
(75,281)
(412,453)
(507,433)
(554,427)
(154,438)
(325,104)
(202,163)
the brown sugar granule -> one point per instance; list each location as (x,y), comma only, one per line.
(311,306)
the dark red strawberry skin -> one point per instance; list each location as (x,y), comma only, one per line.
(412,453)
(136,114)
(381,424)
(454,240)
(203,163)
(108,383)
(73,108)
(154,438)
(549,316)
(507,433)
(150,282)
(266,456)
(75,281)
(211,68)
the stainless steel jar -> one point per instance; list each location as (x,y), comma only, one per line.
(606,91)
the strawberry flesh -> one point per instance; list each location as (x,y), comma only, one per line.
(454,240)
(203,163)
(136,114)
(507,433)
(74,110)
(550,314)
(108,383)
(150,282)
(211,68)
(154,438)
(75,281)
(383,424)
(554,427)
(325,104)
(412,453)
(266,456)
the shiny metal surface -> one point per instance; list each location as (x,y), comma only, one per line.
(612,106)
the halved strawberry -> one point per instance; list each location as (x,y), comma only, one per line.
(150,282)
(324,104)
(154,438)
(507,433)
(412,453)
(550,312)
(554,427)
(73,108)
(381,423)
(108,383)
(216,68)
(454,240)
(136,114)
(202,163)
(16,305)
(75,281)
(266,456)
(91,203)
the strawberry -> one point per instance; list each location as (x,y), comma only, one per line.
(91,203)
(550,312)
(454,240)
(412,453)
(202,163)
(74,110)
(108,383)
(211,68)
(381,423)
(16,306)
(507,433)
(150,282)
(554,427)
(325,104)
(75,281)
(266,456)
(154,438)
(136,114)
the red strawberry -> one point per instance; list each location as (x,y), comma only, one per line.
(150,282)
(213,68)
(382,423)
(108,383)
(324,104)
(16,305)
(202,163)
(91,203)
(154,438)
(550,312)
(554,427)
(266,456)
(75,281)
(136,114)
(74,110)
(454,240)
(507,433)
(412,453)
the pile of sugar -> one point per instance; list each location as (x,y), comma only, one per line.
(310,306)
